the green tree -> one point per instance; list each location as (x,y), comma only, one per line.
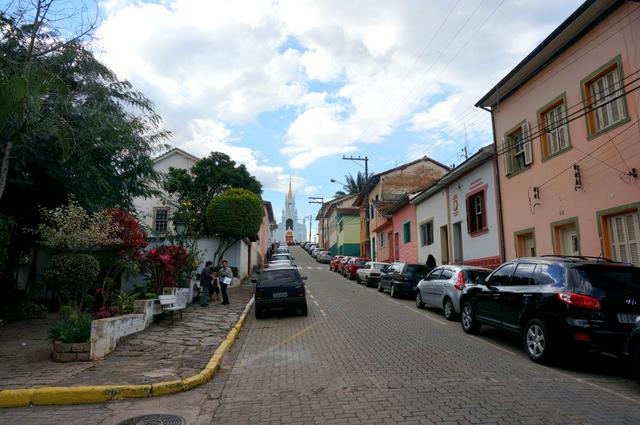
(354,185)
(208,178)
(232,216)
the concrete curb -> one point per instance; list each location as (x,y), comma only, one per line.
(100,393)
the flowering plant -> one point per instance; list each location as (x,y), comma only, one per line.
(166,265)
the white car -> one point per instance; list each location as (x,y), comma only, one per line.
(370,273)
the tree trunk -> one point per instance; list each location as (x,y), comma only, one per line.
(4,167)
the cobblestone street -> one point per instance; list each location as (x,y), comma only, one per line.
(363,357)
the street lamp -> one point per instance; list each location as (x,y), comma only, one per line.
(181,227)
(336,181)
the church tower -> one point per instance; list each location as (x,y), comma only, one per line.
(289,229)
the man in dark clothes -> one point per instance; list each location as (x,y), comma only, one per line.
(205,283)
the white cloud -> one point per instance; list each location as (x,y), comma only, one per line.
(311,190)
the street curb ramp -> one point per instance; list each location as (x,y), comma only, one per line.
(23,397)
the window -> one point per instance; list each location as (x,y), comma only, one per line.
(341,226)
(522,276)
(406,232)
(476,212)
(426,233)
(161,220)
(555,129)
(381,240)
(517,149)
(501,276)
(446,274)
(371,211)
(605,98)
(624,237)
(434,275)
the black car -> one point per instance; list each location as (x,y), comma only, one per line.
(280,288)
(554,302)
(632,349)
(401,279)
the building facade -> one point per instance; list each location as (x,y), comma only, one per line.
(567,139)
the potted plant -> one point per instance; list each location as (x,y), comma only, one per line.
(70,338)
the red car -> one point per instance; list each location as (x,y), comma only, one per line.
(334,262)
(341,264)
(351,268)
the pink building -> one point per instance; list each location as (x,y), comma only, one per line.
(404,245)
(566,130)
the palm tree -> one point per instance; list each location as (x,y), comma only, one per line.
(354,185)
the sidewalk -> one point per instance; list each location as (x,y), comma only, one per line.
(162,352)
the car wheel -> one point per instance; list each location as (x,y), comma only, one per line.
(259,314)
(393,292)
(380,288)
(469,322)
(636,364)
(449,311)
(537,341)
(366,281)
(419,302)
(304,310)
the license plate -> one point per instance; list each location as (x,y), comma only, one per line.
(628,318)
(280,294)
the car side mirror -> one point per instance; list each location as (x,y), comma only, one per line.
(254,280)
(304,277)
(480,280)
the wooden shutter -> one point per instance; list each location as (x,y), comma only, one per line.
(526,137)
(624,238)
(506,154)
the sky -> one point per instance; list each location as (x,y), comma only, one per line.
(289,87)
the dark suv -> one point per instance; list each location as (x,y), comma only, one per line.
(554,301)
(402,278)
(279,288)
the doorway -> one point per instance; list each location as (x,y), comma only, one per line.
(444,244)
(457,243)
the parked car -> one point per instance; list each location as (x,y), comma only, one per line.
(401,279)
(342,263)
(632,349)
(325,257)
(369,274)
(553,302)
(275,257)
(315,252)
(280,288)
(352,266)
(279,263)
(443,286)
(334,262)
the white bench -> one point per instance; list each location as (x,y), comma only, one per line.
(169,305)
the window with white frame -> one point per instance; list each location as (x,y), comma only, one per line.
(476,214)
(624,237)
(555,134)
(605,99)
(161,220)
(517,149)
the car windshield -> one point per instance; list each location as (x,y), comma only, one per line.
(279,277)
(602,279)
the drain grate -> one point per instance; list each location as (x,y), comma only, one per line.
(155,420)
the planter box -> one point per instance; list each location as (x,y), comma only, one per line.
(76,352)
(105,333)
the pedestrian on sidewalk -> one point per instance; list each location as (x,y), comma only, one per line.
(225,277)
(215,287)
(205,282)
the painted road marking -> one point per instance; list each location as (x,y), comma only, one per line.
(316,303)
(413,310)
(309,267)
(319,267)
(591,384)
(323,313)
(493,345)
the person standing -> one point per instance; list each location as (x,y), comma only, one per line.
(205,282)
(215,288)
(225,277)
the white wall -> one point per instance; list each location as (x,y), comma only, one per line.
(485,245)
(434,207)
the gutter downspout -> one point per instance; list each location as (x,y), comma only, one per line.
(503,256)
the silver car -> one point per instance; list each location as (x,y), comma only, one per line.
(443,286)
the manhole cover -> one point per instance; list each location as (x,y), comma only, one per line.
(155,420)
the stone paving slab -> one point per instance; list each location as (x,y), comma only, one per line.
(162,352)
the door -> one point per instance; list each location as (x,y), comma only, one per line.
(569,244)
(513,299)
(396,247)
(457,243)
(529,246)
(428,287)
(488,297)
(444,244)
(439,287)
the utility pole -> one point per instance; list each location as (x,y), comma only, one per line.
(315,200)
(359,158)
(310,218)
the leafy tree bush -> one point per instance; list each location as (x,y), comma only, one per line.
(72,275)
(234,215)
(75,329)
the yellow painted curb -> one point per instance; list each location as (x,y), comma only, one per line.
(100,393)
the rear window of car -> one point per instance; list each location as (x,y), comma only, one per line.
(472,275)
(602,279)
(278,277)
(379,266)
(418,269)
(360,263)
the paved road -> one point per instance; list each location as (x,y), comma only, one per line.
(363,357)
